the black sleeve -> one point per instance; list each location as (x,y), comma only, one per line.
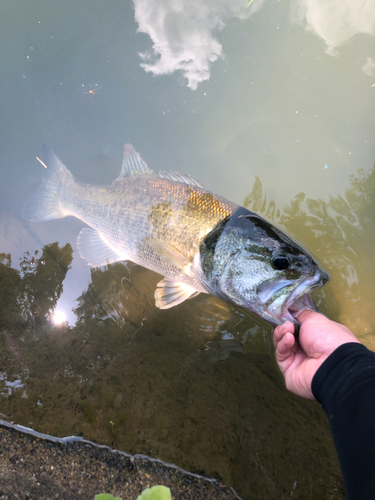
(345,386)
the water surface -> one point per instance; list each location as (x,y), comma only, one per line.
(270,105)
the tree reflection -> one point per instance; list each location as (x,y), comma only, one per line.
(107,295)
(340,233)
(192,383)
(10,283)
(32,293)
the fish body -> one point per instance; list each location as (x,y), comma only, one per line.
(169,223)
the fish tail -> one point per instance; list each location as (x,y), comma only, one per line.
(46,203)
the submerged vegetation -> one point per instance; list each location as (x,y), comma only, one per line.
(154,493)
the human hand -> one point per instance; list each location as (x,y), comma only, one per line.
(299,360)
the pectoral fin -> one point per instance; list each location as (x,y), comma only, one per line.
(94,248)
(170,293)
(170,254)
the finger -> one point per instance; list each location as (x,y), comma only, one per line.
(302,312)
(305,314)
(284,348)
(297,307)
(281,330)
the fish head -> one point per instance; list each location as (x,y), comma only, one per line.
(249,262)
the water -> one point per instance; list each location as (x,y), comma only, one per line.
(272,107)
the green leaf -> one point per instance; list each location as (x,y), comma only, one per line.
(106,496)
(156,493)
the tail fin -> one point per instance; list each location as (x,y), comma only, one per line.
(46,203)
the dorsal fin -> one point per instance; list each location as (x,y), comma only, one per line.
(185,178)
(132,163)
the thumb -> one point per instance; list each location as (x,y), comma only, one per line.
(306,314)
(302,312)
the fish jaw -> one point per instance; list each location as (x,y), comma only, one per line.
(277,307)
(273,298)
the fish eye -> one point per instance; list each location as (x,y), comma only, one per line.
(281,262)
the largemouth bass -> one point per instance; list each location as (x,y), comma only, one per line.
(198,241)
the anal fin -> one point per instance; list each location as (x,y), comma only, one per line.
(170,293)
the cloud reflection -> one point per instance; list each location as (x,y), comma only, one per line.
(369,67)
(183,34)
(335,21)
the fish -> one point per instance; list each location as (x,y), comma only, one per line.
(198,241)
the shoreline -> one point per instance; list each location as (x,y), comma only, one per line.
(39,466)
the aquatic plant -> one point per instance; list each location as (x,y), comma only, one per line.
(154,493)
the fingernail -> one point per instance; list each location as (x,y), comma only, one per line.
(282,328)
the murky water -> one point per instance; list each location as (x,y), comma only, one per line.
(270,105)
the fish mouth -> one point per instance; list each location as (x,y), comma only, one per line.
(301,291)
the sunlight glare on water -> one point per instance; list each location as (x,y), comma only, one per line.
(58,317)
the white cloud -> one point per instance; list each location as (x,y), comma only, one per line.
(182,33)
(369,67)
(335,21)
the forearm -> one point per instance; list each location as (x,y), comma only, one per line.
(345,387)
